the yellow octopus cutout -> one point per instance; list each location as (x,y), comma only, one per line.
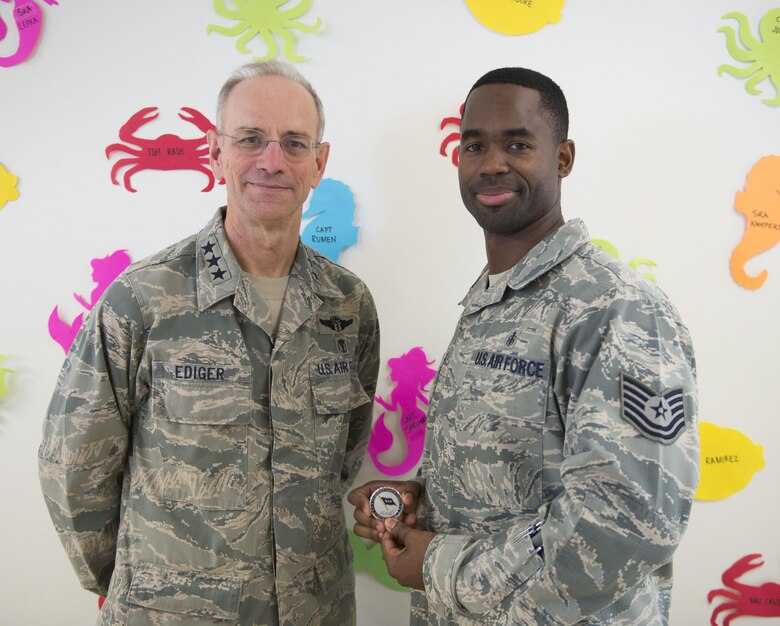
(8,190)
(264,18)
(760,204)
(762,54)
(516,17)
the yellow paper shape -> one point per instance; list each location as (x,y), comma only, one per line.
(516,17)
(635,264)
(728,461)
(8,190)
(760,204)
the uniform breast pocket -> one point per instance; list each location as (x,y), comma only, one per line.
(336,390)
(498,444)
(202,416)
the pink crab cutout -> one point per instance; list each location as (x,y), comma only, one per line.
(411,374)
(104,272)
(28,18)
(758,601)
(452,137)
(166,152)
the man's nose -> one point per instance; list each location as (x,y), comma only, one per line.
(271,158)
(493,161)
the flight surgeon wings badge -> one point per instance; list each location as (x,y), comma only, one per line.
(658,416)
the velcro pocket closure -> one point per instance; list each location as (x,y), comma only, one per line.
(333,565)
(185,592)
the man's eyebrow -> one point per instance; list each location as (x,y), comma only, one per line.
(254,129)
(510,132)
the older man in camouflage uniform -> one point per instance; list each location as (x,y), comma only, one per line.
(218,399)
(562,451)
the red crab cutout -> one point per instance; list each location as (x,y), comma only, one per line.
(761,601)
(452,136)
(166,152)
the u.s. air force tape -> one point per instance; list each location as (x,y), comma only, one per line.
(385,503)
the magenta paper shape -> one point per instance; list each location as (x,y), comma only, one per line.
(166,152)
(104,272)
(27,15)
(411,374)
(447,121)
(758,601)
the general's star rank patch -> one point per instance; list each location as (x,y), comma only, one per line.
(658,416)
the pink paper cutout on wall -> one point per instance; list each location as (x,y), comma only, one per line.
(166,152)
(27,17)
(760,204)
(104,272)
(452,137)
(757,601)
(411,374)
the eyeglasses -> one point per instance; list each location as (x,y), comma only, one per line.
(294,147)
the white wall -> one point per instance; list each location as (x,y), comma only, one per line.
(663,144)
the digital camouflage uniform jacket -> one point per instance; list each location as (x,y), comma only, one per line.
(194,470)
(567,396)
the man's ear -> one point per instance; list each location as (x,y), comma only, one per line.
(215,153)
(565,158)
(321,160)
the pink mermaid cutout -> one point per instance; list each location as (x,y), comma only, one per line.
(411,374)
(104,272)
(28,17)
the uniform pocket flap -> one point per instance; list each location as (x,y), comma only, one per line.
(201,394)
(336,387)
(184,592)
(333,565)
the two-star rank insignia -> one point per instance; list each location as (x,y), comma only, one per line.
(336,323)
(658,416)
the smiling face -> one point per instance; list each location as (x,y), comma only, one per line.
(511,165)
(266,187)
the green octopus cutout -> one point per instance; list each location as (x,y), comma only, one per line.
(368,558)
(5,374)
(264,18)
(763,55)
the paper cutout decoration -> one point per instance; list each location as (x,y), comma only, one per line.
(264,18)
(758,601)
(411,374)
(368,558)
(452,137)
(763,55)
(635,264)
(760,204)
(516,17)
(729,459)
(166,152)
(104,272)
(5,378)
(332,211)
(27,17)
(8,191)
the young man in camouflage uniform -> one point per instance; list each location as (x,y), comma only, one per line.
(218,399)
(562,454)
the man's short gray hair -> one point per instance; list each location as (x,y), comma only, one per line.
(269,68)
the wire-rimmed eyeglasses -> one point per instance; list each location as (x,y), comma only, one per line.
(294,147)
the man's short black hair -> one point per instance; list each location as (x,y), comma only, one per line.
(551,96)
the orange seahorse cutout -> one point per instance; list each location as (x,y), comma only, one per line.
(760,204)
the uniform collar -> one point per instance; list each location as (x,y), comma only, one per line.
(218,271)
(555,248)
